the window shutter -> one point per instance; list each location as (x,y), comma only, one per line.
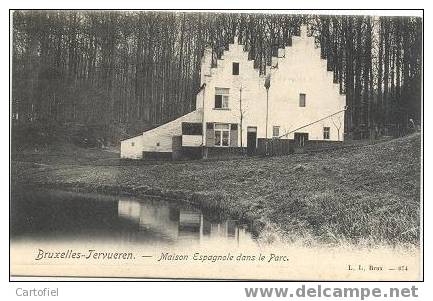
(234,135)
(218,101)
(210,134)
(189,128)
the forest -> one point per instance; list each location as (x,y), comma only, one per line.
(117,73)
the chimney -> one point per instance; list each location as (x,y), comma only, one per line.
(281,52)
(304,31)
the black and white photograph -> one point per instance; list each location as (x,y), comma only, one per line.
(216,145)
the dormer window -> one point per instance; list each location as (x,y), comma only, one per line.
(235,69)
(221,98)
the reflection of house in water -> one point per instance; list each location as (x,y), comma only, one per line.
(150,216)
(225,229)
(190,222)
(174,223)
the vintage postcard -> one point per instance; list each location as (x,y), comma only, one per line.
(216,145)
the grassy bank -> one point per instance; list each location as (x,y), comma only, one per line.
(362,195)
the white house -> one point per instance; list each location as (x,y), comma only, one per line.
(234,109)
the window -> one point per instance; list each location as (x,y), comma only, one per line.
(276,132)
(221,98)
(235,69)
(326,132)
(222,134)
(132,143)
(302,99)
(189,128)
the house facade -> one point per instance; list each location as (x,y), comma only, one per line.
(237,108)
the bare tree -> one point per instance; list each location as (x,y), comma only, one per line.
(337,122)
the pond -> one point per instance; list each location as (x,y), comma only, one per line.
(58,233)
(51,216)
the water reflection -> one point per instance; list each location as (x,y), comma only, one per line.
(178,223)
(59,216)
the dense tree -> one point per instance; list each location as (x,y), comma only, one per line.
(133,70)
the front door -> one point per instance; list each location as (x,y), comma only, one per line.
(251,140)
(301,139)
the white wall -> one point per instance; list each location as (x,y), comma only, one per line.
(303,71)
(299,70)
(191,140)
(132,148)
(253,93)
(160,139)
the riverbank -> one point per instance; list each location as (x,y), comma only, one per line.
(366,195)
